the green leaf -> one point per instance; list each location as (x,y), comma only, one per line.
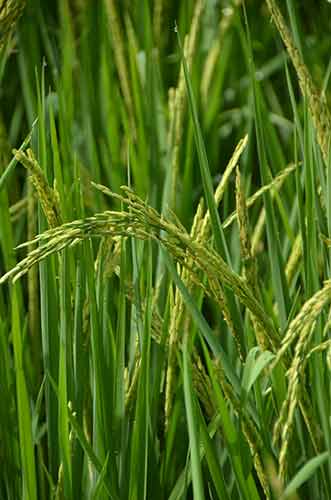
(191,416)
(10,167)
(256,361)
(305,473)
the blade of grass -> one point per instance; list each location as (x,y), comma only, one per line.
(192,421)
(304,474)
(10,168)
(23,407)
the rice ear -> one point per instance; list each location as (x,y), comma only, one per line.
(10,12)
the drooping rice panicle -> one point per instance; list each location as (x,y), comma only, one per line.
(10,12)
(317,104)
(143,222)
(306,316)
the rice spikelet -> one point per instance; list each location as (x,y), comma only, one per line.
(316,101)
(276,183)
(294,258)
(10,12)
(295,374)
(46,194)
(306,316)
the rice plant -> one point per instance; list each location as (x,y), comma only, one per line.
(165,233)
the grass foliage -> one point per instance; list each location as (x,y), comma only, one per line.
(165,232)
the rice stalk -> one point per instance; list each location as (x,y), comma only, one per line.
(33,299)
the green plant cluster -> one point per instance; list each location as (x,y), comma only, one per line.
(165,232)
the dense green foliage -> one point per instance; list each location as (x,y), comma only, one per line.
(168,339)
